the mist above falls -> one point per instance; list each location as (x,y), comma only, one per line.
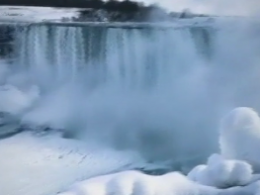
(160,91)
(214,7)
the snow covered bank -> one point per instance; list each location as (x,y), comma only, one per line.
(44,165)
(36,14)
(132,182)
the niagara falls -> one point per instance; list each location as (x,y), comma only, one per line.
(129,97)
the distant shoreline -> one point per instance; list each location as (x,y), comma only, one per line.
(126,5)
(103,11)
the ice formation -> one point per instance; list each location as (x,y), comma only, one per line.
(222,173)
(240,136)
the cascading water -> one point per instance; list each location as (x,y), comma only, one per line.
(154,90)
(130,58)
(128,87)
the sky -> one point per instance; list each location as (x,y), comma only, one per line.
(216,7)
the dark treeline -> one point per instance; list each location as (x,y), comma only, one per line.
(111,5)
(101,10)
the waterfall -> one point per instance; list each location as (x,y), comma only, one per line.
(130,58)
(131,87)
(156,90)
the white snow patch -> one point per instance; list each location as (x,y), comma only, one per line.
(45,165)
(36,14)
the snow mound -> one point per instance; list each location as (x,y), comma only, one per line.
(136,183)
(222,173)
(240,136)
(133,182)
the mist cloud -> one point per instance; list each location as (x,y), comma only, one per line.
(216,7)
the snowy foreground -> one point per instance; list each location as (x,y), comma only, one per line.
(54,165)
(220,175)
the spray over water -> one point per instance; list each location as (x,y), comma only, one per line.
(154,90)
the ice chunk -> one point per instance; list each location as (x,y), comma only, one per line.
(222,173)
(240,136)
